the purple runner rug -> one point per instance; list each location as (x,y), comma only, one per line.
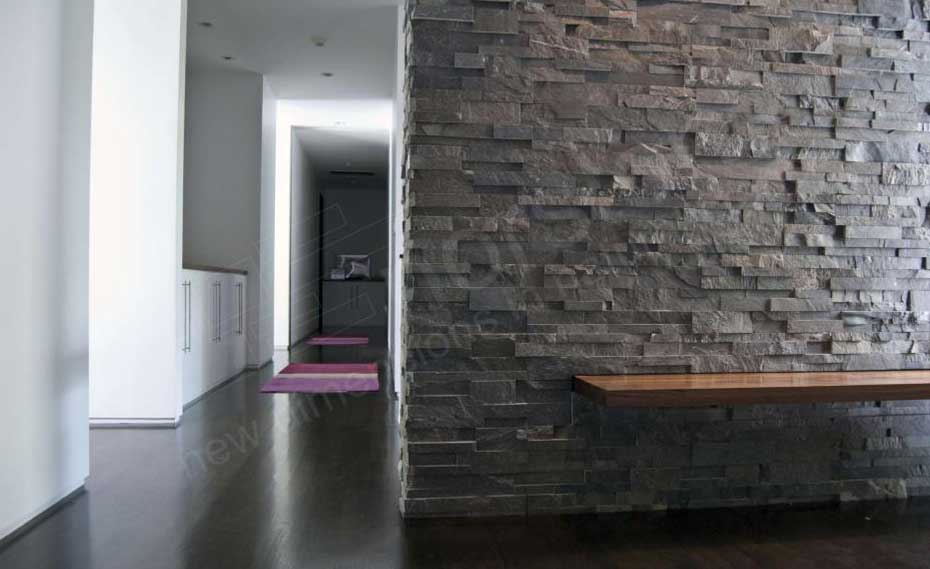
(281,384)
(330,368)
(337,340)
(325,378)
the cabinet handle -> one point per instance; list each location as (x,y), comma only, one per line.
(241,302)
(187,315)
(219,312)
(216,311)
(190,311)
(184,292)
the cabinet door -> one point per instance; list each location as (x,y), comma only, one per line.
(369,301)
(379,299)
(354,304)
(237,324)
(197,357)
(186,319)
(338,304)
(216,359)
(231,334)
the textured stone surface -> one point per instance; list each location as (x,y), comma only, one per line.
(719,322)
(613,186)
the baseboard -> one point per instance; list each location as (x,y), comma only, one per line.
(131,423)
(256,367)
(216,387)
(19,530)
(303,340)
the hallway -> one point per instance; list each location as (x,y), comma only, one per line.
(266,482)
(248,480)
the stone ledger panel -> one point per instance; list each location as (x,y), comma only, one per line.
(613,186)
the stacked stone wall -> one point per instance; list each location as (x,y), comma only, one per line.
(613,186)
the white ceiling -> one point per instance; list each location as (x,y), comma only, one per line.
(276,38)
(347,150)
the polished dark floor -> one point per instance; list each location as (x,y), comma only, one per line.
(265,482)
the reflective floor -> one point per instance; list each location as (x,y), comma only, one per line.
(284,481)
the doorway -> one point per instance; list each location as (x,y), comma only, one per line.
(339,237)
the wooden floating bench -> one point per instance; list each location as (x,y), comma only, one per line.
(697,390)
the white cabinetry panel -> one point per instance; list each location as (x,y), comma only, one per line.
(213,312)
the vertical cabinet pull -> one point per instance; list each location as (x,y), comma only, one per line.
(190,311)
(213,312)
(217,312)
(187,315)
(240,301)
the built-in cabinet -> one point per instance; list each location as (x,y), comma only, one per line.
(354,304)
(213,316)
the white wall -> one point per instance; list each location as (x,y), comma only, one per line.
(45,54)
(265,347)
(305,245)
(135,204)
(396,304)
(349,114)
(223,180)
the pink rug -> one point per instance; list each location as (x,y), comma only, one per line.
(330,368)
(337,340)
(281,384)
(324,378)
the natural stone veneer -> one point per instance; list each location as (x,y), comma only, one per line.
(601,186)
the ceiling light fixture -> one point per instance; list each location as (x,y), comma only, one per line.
(327,74)
(228,58)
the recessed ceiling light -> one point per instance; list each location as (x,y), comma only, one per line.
(327,74)
(205,24)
